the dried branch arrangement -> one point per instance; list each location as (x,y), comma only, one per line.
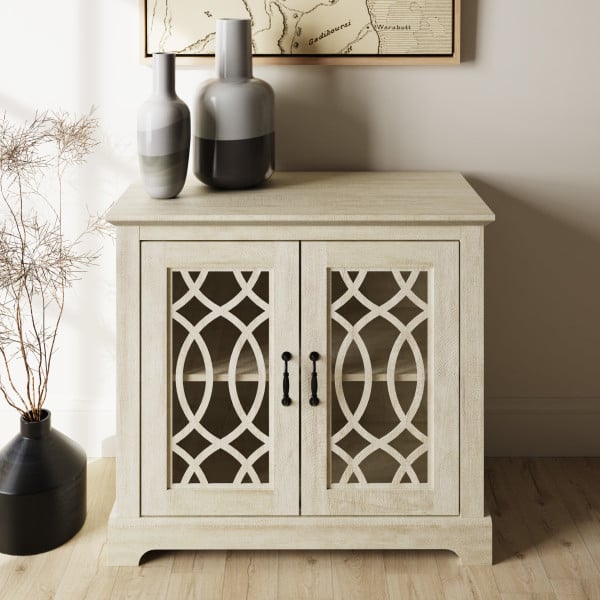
(37,261)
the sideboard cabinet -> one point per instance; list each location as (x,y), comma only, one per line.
(301,366)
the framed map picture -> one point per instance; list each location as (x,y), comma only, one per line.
(310,31)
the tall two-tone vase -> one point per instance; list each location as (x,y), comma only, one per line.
(234,137)
(42,489)
(164,133)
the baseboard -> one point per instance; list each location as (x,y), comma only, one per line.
(542,426)
(93,429)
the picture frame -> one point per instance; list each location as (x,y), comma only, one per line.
(414,31)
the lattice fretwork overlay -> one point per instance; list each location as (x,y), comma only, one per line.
(219,362)
(379,326)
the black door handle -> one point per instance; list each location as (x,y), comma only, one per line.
(314,400)
(286,400)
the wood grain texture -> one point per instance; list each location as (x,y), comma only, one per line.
(251,575)
(582,589)
(432,217)
(562,549)
(151,580)
(519,568)
(412,575)
(468,538)
(439,495)
(581,499)
(305,575)
(159,496)
(301,231)
(357,575)
(471,372)
(523,569)
(532,596)
(128,369)
(289,197)
(85,575)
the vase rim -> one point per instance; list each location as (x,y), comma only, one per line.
(36,429)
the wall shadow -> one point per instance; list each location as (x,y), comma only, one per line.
(10,106)
(539,507)
(542,330)
(317,127)
(469,22)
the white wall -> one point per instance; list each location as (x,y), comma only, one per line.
(520,117)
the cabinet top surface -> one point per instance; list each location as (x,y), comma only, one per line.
(344,197)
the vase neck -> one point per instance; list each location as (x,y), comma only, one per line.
(36,429)
(233,55)
(163,66)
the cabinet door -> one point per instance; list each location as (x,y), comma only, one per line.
(384,318)
(216,439)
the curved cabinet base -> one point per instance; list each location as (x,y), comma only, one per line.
(130,539)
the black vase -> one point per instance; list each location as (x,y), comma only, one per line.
(42,489)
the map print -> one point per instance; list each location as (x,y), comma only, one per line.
(305,27)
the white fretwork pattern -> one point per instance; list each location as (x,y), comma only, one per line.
(219,401)
(379,354)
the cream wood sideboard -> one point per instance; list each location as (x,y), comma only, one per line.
(301,366)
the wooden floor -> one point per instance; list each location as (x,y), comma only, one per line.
(546,546)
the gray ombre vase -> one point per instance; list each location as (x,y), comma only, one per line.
(234,137)
(164,133)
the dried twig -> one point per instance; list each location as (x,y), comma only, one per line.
(37,262)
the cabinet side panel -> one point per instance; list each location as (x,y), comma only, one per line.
(128,370)
(471,375)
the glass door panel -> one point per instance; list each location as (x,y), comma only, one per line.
(220,413)
(379,331)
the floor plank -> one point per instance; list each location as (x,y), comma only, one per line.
(578,484)
(7,565)
(197,575)
(412,575)
(518,567)
(465,583)
(37,576)
(559,544)
(582,589)
(532,596)
(148,581)
(358,575)
(304,575)
(453,577)
(250,575)
(85,575)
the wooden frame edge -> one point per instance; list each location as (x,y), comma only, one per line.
(379,60)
